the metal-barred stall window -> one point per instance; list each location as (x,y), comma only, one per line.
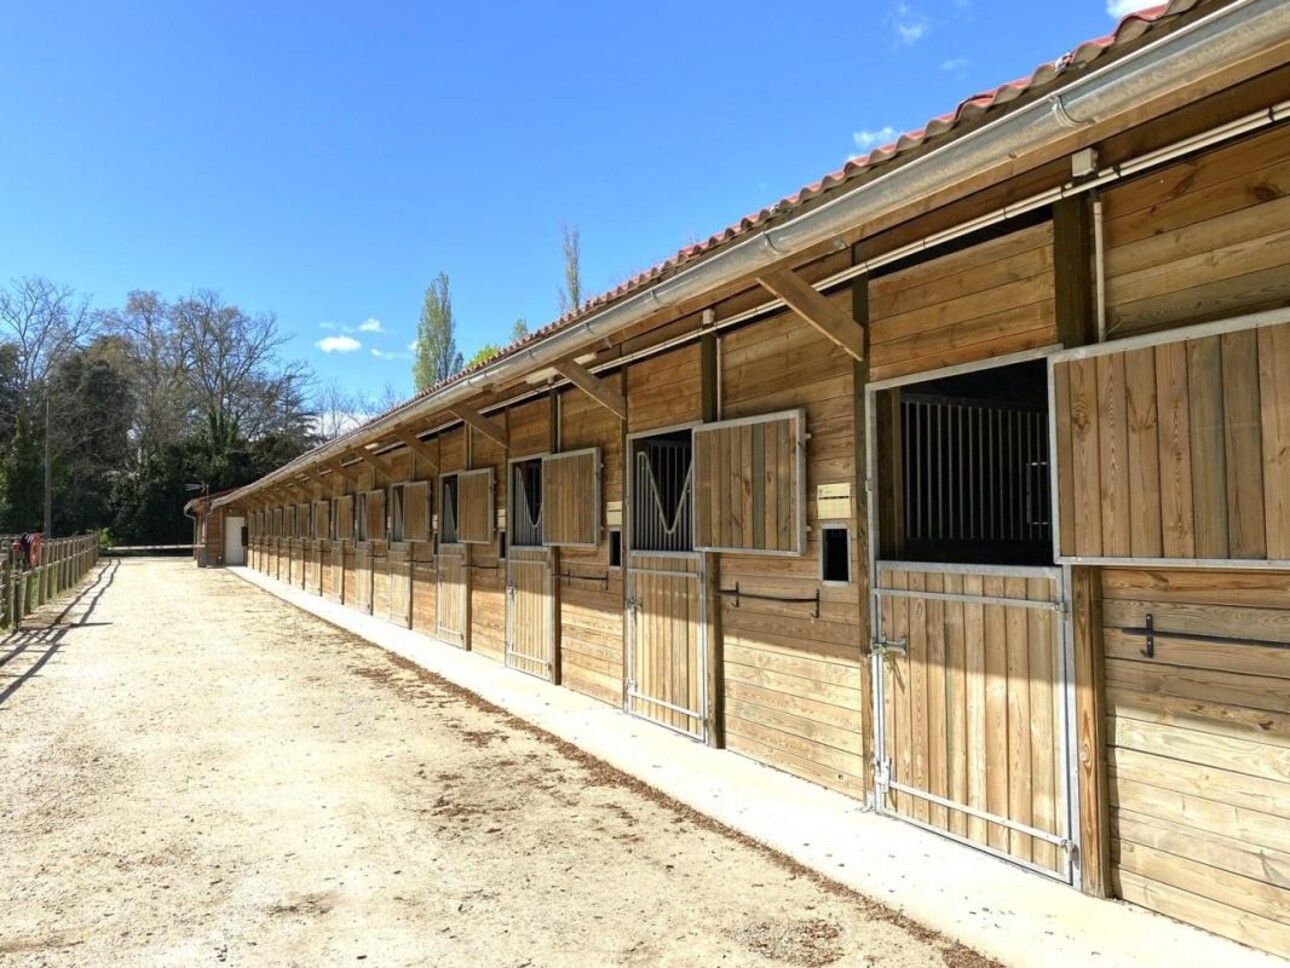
(662,509)
(964,469)
(360,517)
(750,484)
(525,512)
(448,506)
(397,496)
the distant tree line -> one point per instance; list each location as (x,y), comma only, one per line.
(106,414)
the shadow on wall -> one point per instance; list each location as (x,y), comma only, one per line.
(32,638)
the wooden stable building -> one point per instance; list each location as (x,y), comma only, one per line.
(958,482)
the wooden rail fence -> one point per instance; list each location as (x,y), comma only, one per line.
(63,563)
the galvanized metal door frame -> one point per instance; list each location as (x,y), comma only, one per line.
(548,609)
(630,693)
(630,571)
(1069,809)
(450,551)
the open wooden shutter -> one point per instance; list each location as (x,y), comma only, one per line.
(475,511)
(416,511)
(302,520)
(345,518)
(321,531)
(1176,450)
(571,498)
(750,484)
(376,515)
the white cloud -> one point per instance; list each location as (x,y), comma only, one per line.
(338,344)
(956,64)
(910,25)
(370,325)
(867,140)
(391,355)
(1122,8)
(328,326)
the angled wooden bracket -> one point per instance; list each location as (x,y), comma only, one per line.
(415,444)
(592,385)
(801,297)
(487,426)
(336,467)
(362,454)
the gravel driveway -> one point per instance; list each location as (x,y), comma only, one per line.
(192,772)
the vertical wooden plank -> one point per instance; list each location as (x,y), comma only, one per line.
(735,497)
(1208,464)
(974,665)
(888,628)
(788,485)
(1090,732)
(757,472)
(995,751)
(1274,396)
(956,693)
(770,488)
(937,718)
(1073,270)
(1042,683)
(1064,448)
(1020,782)
(1243,444)
(900,675)
(1144,453)
(1086,459)
(746,471)
(1173,412)
(709,388)
(1113,446)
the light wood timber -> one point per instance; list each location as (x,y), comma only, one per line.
(593,386)
(803,299)
(487,426)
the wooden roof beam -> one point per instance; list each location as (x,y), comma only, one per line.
(487,426)
(415,444)
(801,297)
(337,467)
(592,385)
(369,458)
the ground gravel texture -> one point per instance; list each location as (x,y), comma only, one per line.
(193,772)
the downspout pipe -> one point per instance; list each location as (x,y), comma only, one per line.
(1229,34)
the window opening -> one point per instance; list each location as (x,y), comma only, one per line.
(615,548)
(448,510)
(525,515)
(662,501)
(501,544)
(396,512)
(835,554)
(360,517)
(973,480)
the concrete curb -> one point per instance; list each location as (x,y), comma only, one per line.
(1003,911)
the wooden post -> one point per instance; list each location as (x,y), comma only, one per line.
(1073,270)
(860,546)
(709,383)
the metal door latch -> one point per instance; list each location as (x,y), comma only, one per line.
(1150,650)
(884,647)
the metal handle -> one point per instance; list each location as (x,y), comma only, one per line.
(884,647)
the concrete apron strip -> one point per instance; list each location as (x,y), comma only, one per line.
(1017,917)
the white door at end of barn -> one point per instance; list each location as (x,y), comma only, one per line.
(234,551)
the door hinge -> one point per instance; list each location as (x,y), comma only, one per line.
(882,774)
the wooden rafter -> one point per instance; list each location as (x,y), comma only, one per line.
(416,445)
(801,297)
(369,458)
(337,467)
(592,385)
(487,426)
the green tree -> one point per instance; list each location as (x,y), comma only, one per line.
(519,330)
(24,478)
(487,351)
(437,355)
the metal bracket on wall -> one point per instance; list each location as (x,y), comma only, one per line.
(737,594)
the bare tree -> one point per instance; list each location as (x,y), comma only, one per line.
(45,320)
(571,294)
(163,404)
(241,386)
(337,411)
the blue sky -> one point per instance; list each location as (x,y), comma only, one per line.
(325,160)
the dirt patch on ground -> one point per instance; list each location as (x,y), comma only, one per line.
(199,773)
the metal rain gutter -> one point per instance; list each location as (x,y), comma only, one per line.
(1227,35)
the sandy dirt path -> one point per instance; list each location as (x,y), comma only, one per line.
(192,772)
